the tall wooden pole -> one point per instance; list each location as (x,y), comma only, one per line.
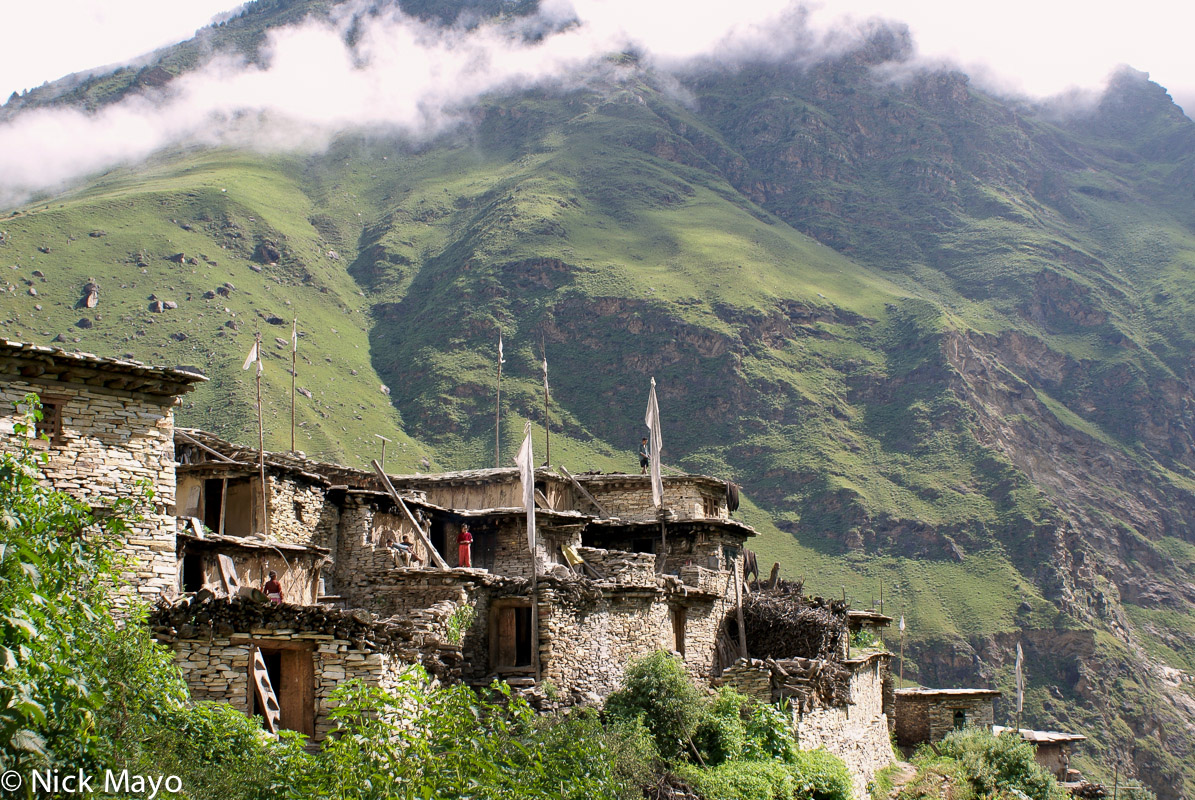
(547,432)
(535,609)
(498,410)
(294,357)
(738,597)
(902,659)
(261,447)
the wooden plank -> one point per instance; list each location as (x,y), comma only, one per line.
(223,503)
(228,574)
(584,492)
(204,447)
(506,637)
(432,553)
(267,702)
(542,500)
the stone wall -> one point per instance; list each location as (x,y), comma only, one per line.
(300,511)
(858,732)
(218,669)
(586,646)
(929,718)
(629,497)
(110,442)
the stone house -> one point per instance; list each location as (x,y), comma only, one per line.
(928,715)
(109,428)
(611,577)
(607,588)
(1051,750)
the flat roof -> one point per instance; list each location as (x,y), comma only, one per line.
(41,363)
(932,693)
(1042,737)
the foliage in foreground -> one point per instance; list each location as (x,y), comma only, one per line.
(981,765)
(729,747)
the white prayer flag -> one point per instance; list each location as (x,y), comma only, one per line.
(501,360)
(294,336)
(902,623)
(656,444)
(526,464)
(547,393)
(253,357)
(1020,680)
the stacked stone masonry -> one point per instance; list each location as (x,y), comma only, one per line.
(111,445)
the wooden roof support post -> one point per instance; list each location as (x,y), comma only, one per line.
(738,596)
(584,492)
(432,553)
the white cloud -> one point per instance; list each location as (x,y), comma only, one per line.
(418,78)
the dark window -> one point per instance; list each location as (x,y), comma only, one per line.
(960,719)
(298,511)
(50,424)
(644,545)
(192,572)
(213,494)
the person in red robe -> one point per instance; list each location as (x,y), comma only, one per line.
(464,547)
(272,588)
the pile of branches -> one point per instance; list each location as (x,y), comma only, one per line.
(782,623)
(414,638)
(809,683)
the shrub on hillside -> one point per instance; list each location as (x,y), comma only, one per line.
(996,765)
(721,733)
(657,689)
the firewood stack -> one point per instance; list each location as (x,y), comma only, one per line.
(811,683)
(784,624)
(415,638)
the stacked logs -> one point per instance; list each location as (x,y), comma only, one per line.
(784,624)
(415,638)
(810,683)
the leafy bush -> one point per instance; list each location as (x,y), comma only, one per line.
(720,734)
(220,754)
(632,752)
(742,780)
(769,734)
(459,622)
(55,629)
(997,764)
(822,776)
(420,741)
(657,689)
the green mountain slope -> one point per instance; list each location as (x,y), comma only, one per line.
(941,339)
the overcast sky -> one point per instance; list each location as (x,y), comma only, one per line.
(1039,47)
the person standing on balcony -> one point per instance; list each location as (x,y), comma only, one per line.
(464,547)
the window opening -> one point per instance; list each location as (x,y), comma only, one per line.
(192,571)
(960,719)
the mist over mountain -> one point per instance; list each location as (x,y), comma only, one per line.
(941,337)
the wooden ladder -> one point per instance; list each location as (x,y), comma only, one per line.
(266,700)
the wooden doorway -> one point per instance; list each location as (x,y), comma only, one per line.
(291,667)
(510,636)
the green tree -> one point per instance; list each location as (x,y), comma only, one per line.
(58,574)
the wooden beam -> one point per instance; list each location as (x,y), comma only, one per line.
(204,447)
(432,553)
(584,492)
(542,500)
